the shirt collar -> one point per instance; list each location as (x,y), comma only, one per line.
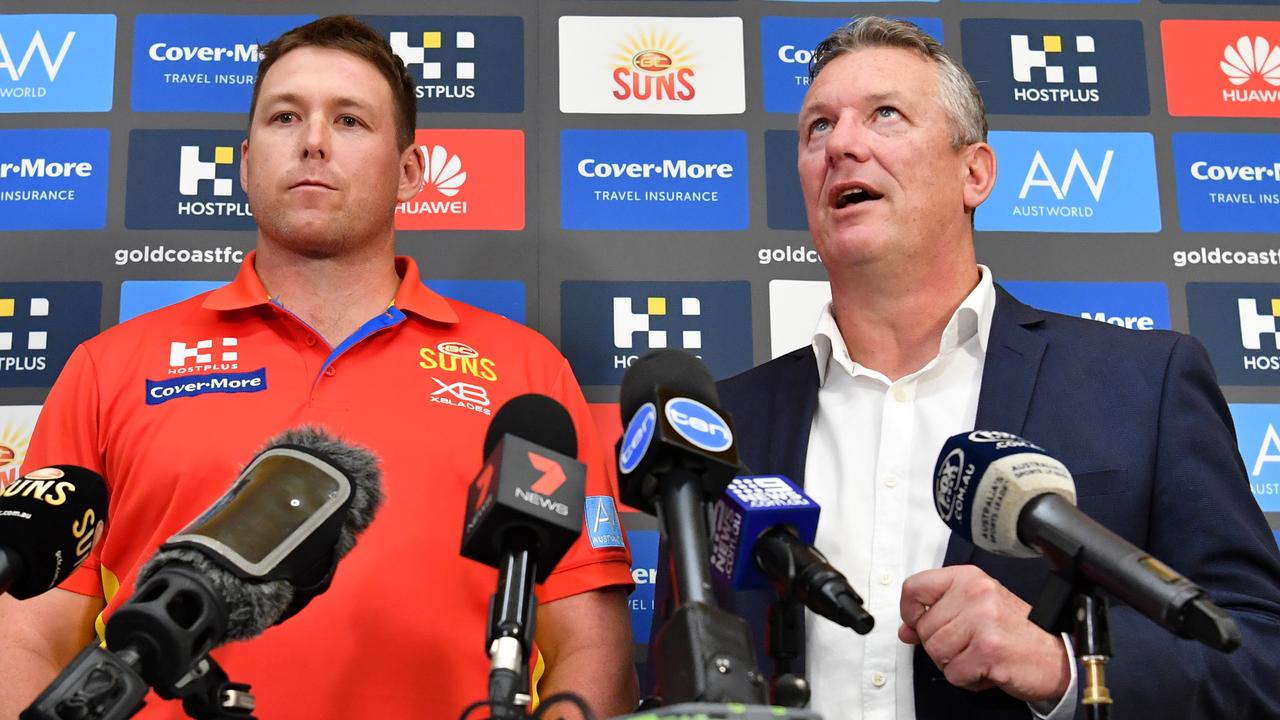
(973,317)
(247,291)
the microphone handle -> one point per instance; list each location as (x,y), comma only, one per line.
(12,568)
(683,516)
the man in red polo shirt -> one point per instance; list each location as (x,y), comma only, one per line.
(324,325)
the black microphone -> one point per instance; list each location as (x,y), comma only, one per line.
(762,533)
(1008,496)
(524,512)
(675,456)
(49,519)
(259,554)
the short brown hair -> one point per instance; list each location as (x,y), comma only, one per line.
(352,35)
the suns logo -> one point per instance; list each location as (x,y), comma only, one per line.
(13,449)
(1250,57)
(654,65)
(443,171)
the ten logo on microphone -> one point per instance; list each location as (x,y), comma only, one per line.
(1222,68)
(474,180)
(663,65)
(786,47)
(1073,182)
(200,63)
(16,425)
(653,180)
(460,64)
(1259,441)
(57,63)
(40,324)
(1228,183)
(186,180)
(1134,305)
(1094,67)
(53,179)
(605,326)
(1240,325)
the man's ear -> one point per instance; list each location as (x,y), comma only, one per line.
(244,165)
(413,169)
(980,174)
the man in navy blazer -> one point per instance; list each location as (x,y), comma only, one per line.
(893,163)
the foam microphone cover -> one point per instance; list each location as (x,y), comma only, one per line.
(682,373)
(49,518)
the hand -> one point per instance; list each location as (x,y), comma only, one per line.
(978,634)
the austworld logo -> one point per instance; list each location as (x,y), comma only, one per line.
(1222,68)
(651,65)
(1228,183)
(53,179)
(1073,182)
(460,63)
(1133,305)
(1091,67)
(653,180)
(57,63)
(191,181)
(1258,437)
(1239,323)
(201,63)
(473,180)
(40,324)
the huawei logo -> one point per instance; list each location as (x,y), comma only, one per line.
(1249,57)
(443,171)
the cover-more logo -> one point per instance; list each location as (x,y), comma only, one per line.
(1058,67)
(606,326)
(460,64)
(1228,183)
(53,179)
(1240,325)
(1224,68)
(691,66)
(1073,182)
(191,181)
(473,180)
(56,63)
(1133,305)
(40,324)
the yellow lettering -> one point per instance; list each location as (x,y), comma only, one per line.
(487,370)
(83,530)
(60,491)
(428,359)
(37,488)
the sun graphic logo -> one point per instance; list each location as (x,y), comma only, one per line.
(654,65)
(443,171)
(1250,57)
(14,437)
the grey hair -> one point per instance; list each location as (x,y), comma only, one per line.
(959,96)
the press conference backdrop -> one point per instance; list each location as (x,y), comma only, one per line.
(621,175)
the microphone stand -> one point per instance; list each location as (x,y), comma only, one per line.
(208,694)
(511,618)
(1070,602)
(785,628)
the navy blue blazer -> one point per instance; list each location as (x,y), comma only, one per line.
(1139,420)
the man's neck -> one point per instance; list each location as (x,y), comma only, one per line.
(892,320)
(333,295)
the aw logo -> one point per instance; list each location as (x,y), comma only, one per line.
(605,326)
(1133,305)
(1094,67)
(57,63)
(40,324)
(54,179)
(1258,437)
(653,180)
(474,181)
(1228,183)
(1240,325)
(17,422)
(201,63)
(786,47)
(1222,68)
(460,64)
(191,181)
(1073,182)
(663,65)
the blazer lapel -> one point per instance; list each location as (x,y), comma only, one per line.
(1014,352)
(790,446)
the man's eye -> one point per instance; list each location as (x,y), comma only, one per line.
(820,125)
(887,112)
(348,121)
(286,117)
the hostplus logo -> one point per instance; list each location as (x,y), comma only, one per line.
(627,324)
(1027,61)
(53,179)
(416,58)
(36,340)
(191,181)
(1239,323)
(1258,326)
(198,357)
(56,63)
(1253,62)
(40,324)
(192,170)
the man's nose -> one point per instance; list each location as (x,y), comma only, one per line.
(316,140)
(849,139)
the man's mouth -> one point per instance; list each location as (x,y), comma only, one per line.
(855,195)
(312,184)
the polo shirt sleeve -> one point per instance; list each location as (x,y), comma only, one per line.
(66,433)
(600,557)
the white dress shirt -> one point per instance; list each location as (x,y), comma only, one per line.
(872,448)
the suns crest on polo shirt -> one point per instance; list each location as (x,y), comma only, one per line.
(205,365)
(462,368)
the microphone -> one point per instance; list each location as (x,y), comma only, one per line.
(676,454)
(762,533)
(49,520)
(524,512)
(1008,496)
(259,554)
